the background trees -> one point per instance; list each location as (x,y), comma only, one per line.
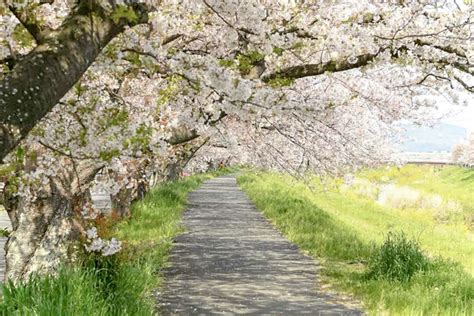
(463,153)
(136,89)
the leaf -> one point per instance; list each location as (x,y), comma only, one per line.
(124,12)
(20,153)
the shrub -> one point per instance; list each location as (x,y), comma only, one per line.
(400,197)
(433,201)
(364,188)
(397,259)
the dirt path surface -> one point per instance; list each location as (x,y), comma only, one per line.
(232,261)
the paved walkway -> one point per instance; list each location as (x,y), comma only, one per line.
(232,261)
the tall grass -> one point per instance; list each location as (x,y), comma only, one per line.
(116,285)
(114,289)
(395,277)
(398,259)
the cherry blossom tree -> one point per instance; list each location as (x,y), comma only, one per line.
(463,153)
(458,153)
(139,90)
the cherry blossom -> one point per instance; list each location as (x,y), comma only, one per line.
(290,85)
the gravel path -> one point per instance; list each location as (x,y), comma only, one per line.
(232,261)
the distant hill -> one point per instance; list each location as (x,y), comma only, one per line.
(441,137)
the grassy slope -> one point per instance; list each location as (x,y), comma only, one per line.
(119,285)
(450,182)
(453,240)
(338,229)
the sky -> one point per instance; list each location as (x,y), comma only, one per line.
(463,117)
(441,137)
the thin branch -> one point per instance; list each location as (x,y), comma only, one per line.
(139,52)
(446,49)
(193,152)
(28,20)
(170,39)
(434,76)
(219,15)
(63,153)
(464,84)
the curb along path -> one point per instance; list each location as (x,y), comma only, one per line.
(232,261)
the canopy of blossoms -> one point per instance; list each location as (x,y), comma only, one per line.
(132,87)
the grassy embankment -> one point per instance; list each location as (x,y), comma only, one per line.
(345,230)
(441,215)
(116,285)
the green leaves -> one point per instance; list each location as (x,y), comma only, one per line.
(244,62)
(142,138)
(125,13)
(20,154)
(167,93)
(116,117)
(280,81)
(278,51)
(227,63)
(22,36)
(107,155)
(133,58)
(247,61)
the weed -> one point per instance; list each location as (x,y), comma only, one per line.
(398,259)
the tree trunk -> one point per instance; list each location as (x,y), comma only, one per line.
(42,235)
(46,230)
(138,184)
(173,171)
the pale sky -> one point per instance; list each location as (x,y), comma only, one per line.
(462,117)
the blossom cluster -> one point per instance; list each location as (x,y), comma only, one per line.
(290,85)
(99,245)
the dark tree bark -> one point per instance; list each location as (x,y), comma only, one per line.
(308,70)
(46,74)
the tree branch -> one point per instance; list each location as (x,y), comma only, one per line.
(308,70)
(447,49)
(170,39)
(37,82)
(182,134)
(194,151)
(28,20)
(464,84)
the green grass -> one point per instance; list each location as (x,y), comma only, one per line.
(115,289)
(452,239)
(116,285)
(6,170)
(347,233)
(397,259)
(453,183)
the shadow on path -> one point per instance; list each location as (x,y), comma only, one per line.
(232,261)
